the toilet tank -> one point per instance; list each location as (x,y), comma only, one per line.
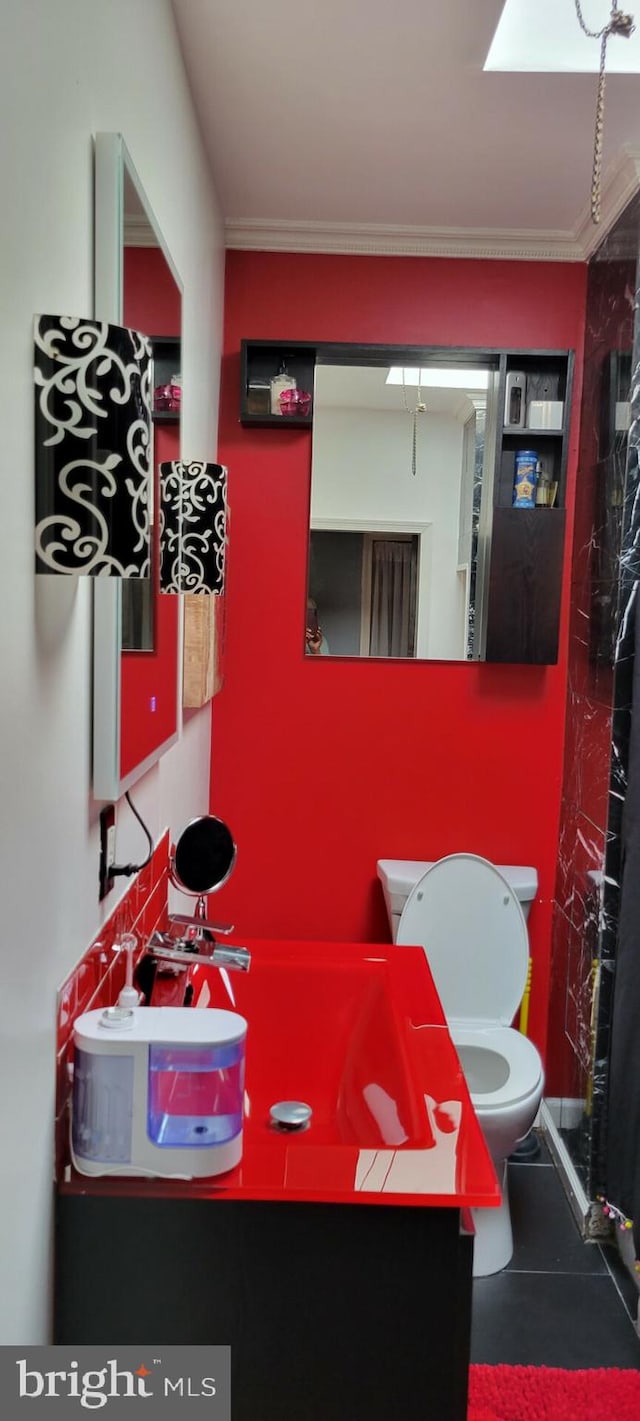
(398,877)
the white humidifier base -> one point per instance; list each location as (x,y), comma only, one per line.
(158,1091)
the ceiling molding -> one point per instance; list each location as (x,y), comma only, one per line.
(138,231)
(371,239)
(622,182)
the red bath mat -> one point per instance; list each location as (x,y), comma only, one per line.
(552,1394)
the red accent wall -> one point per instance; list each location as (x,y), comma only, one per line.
(321,767)
(149,695)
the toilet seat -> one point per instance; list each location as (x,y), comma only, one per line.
(465,915)
(519,1055)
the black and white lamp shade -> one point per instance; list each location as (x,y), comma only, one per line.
(93,385)
(193,527)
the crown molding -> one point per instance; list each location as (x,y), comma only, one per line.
(621,184)
(138,231)
(373,239)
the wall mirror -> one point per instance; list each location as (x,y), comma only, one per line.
(137,632)
(401,503)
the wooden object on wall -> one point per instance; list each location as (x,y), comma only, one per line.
(524,585)
(202,646)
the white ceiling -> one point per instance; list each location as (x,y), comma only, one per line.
(325,116)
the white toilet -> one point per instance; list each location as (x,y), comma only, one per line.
(470,918)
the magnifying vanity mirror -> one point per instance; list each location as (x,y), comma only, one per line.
(401,498)
(203,857)
(137,632)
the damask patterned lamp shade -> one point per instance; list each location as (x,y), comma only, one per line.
(93,448)
(193,527)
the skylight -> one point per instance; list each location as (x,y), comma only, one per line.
(544,37)
(460,378)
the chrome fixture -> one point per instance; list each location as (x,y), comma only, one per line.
(199,863)
(164,947)
(290,1115)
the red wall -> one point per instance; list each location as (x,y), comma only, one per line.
(319,766)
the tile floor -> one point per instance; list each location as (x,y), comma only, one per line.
(561,1302)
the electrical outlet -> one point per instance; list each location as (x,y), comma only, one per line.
(107,848)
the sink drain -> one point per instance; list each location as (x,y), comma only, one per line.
(290,1115)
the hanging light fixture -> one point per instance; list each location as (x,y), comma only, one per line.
(93,448)
(193,526)
(419,408)
(619,24)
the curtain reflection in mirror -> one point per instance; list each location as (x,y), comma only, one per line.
(394,572)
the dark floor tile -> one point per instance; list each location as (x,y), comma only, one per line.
(546,1236)
(553,1320)
(623,1281)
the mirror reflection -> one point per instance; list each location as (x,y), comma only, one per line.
(399,487)
(136,630)
(151,302)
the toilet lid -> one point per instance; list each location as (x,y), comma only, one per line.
(472,928)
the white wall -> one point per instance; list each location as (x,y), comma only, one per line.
(361,471)
(70,68)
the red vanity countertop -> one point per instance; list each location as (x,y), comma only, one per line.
(357,1032)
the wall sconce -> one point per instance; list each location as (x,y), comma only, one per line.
(193,526)
(93,448)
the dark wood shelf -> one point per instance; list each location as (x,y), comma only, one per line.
(301,421)
(527,547)
(261,360)
(509,432)
(527,544)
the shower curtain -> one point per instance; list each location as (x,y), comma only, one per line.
(623,1140)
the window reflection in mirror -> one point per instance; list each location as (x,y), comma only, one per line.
(401,489)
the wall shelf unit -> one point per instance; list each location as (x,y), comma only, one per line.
(525,546)
(261,361)
(166,362)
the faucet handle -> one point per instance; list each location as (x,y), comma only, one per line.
(185,921)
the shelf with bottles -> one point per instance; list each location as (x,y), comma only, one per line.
(529,521)
(277,383)
(534,400)
(167,379)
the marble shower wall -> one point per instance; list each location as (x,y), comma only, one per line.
(598,699)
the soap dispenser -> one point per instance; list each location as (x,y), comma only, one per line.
(281,382)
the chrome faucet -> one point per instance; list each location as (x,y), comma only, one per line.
(164,947)
(198,941)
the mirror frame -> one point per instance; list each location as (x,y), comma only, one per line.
(111,159)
